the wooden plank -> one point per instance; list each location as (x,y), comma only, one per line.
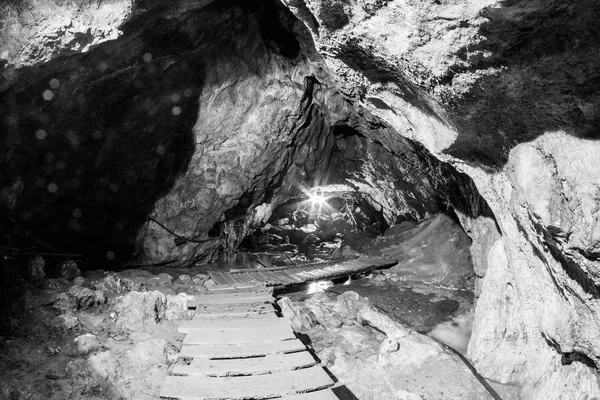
(318,395)
(246,387)
(245,287)
(232,298)
(202,324)
(239,336)
(217,277)
(234,310)
(246,366)
(241,350)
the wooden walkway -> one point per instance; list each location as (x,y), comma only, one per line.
(292,275)
(236,347)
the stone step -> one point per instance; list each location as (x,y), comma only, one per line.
(238,336)
(241,350)
(246,366)
(246,387)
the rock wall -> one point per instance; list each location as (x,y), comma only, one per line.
(206,115)
(203,116)
(507,93)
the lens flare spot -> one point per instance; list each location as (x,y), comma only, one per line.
(41,134)
(48,95)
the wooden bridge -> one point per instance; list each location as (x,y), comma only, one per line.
(237,347)
(292,275)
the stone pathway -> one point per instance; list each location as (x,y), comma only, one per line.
(292,275)
(238,348)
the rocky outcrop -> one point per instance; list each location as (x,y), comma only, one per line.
(506,92)
(435,251)
(389,361)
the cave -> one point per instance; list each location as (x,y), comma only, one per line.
(300,199)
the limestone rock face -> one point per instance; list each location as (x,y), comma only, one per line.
(203,117)
(545,323)
(505,92)
(36,33)
(473,78)
(436,251)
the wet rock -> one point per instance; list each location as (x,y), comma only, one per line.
(301,317)
(69,269)
(87,343)
(139,311)
(185,279)
(36,268)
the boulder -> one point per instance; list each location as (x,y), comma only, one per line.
(36,268)
(323,310)
(177,307)
(139,311)
(199,279)
(435,251)
(85,298)
(301,317)
(87,343)
(104,364)
(69,269)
